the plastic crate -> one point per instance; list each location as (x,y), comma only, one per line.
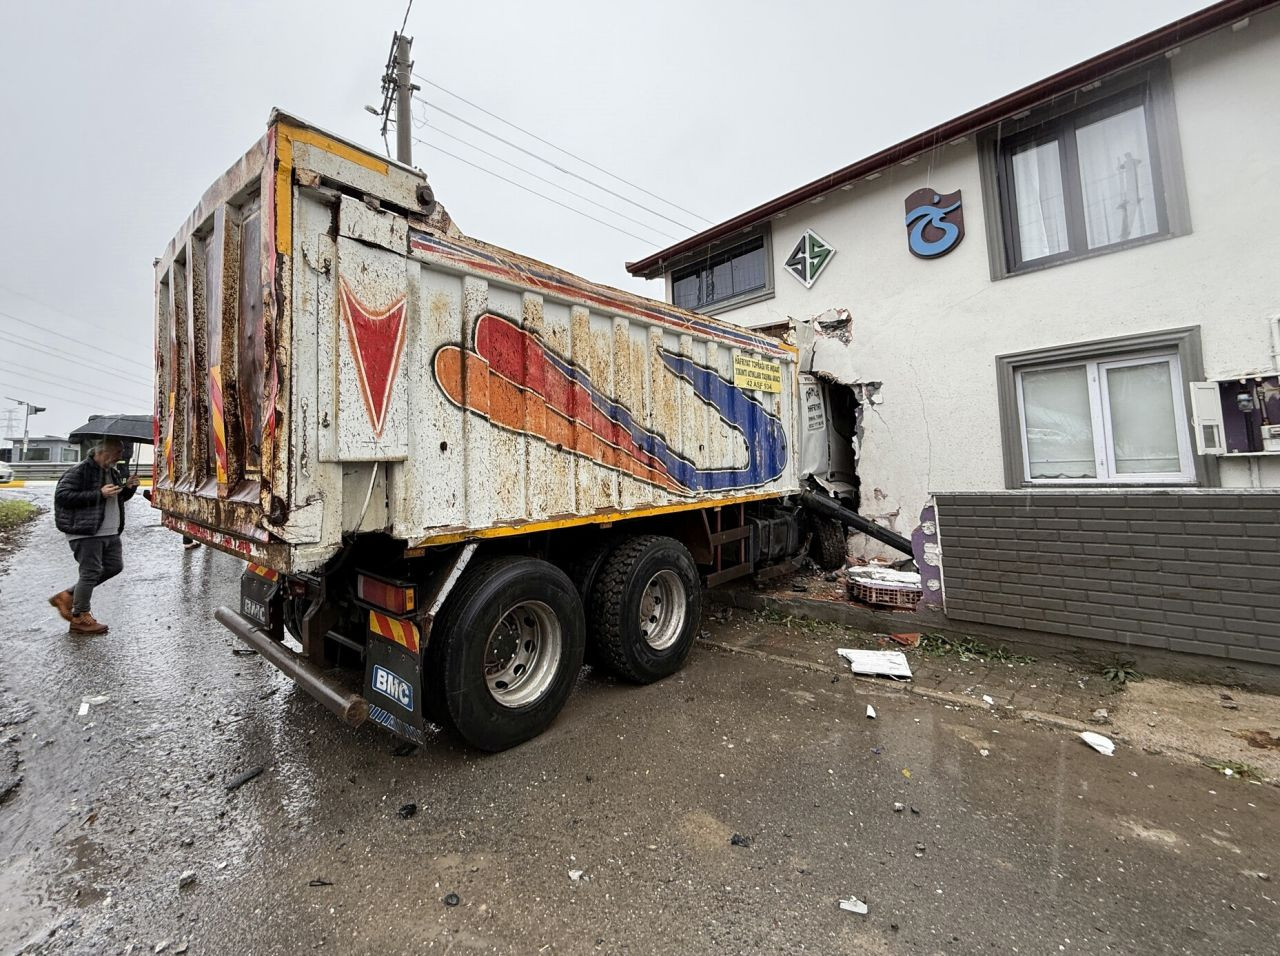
(888,594)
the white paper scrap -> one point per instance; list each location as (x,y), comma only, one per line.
(877,663)
(1104,745)
(871,712)
(988,700)
(854,905)
(84,707)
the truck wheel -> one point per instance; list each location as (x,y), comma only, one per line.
(583,569)
(645,608)
(511,638)
(829,547)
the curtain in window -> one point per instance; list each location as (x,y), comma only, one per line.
(1144,431)
(1041,209)
(1115,178)
(1058,423)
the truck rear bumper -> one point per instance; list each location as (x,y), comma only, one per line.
(351,708)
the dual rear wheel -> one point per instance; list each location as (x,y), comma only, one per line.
(508,643)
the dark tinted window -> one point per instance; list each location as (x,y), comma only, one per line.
(721,276)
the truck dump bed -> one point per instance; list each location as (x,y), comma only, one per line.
(334,357)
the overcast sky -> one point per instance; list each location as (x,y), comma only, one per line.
(115,117)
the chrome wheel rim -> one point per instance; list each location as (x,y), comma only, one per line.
(662,610)
(522,654)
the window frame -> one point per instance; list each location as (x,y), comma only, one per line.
(700,257)
(1182,344)
(1149,86)
(1100,413)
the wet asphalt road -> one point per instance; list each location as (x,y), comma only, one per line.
(1042,846)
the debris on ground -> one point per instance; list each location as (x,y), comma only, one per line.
(907,639)
(899,807)
(453,899)
(408,810)
(319,883)
(988,700)
(576,875)
(1104,745)
(739,840)
(877,663)
(1100,716)
(871,712)
(186,878)
(1258,738)
(235,783)
(919,850)
(91,700)
(915,811)
(243,651)
(405,750)
(854,905)
(883,587)
(985,752)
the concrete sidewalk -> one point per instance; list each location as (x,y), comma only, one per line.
(1226,726)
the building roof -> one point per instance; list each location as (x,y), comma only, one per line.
(1128,54)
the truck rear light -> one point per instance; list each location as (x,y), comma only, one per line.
(396,598)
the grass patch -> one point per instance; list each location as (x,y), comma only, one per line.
(1121,672)
(970,649)
(16,511)
(1235,768)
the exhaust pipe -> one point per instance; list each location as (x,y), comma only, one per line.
(829,508)
(351,708)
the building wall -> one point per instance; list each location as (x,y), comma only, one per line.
(1190,571)
(931,329)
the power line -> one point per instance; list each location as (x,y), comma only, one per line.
(585,215)
(64,398)
(561,149)
(35,376)
(555,166)
(26,343)
(42,328)
(85,322)
(405,22)
(549,182)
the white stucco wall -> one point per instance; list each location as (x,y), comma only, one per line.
(930,330)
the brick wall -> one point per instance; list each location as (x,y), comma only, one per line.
(1197,572)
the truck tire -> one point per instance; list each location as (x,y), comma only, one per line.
(583,569)
(508,647)
(829,547)
(645,608)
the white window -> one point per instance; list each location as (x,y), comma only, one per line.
(1105,420)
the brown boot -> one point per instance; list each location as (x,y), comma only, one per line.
(62,601)
(85,624)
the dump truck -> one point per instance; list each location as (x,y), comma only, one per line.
(453,471)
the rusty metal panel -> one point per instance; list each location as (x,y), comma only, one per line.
(376,227)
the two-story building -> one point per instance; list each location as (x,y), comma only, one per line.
(1064,334)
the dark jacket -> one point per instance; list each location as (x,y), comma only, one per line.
(78,505)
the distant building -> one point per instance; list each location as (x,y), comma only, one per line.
(45,448)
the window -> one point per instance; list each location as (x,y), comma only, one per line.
(35,454)
(1111,412)
(1090,177)
(71,453)
(717,277)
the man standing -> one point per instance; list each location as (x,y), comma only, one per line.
(88,506)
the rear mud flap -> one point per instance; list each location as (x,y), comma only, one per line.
(393,688)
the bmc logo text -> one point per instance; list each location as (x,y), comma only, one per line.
(393,686)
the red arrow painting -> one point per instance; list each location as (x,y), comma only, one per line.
(377,342)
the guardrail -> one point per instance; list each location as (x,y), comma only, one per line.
(53,470)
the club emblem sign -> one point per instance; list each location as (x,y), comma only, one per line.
(935,223)
(809,257)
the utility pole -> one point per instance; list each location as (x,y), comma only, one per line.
(404,100)
(26,420)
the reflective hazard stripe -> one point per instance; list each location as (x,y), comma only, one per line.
(265,572)
(404,633)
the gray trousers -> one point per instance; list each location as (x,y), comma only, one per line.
(100,559)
